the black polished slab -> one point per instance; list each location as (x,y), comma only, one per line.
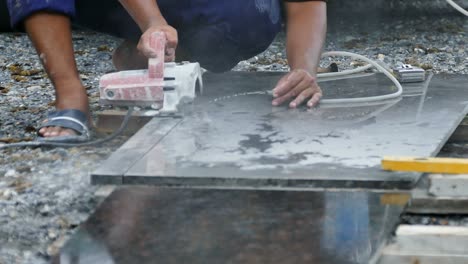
(157,225)
(232,136)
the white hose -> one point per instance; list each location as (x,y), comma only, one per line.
(347,72)
(457,7)
(394,95)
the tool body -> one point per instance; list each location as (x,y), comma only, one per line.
(162,86)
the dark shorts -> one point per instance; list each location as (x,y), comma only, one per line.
(216,33)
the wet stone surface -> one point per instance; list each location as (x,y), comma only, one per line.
(231,135)
(30,179)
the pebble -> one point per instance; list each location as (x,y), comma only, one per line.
(10,173)
(45,210)
(34,88)
(55,247)
(52,234)
(8,194)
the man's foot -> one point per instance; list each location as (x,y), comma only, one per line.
(69,120)
(76,98)
(127,57)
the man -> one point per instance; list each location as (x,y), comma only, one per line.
(217,33)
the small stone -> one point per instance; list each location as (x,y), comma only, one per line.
(34,88)
(425,220)
(23,169)
(19,78)
(426,66)
(52,234)
(433,50)
(7,194)
(358,63)
(104,48)
(63,222)
(444,222)
(55,247)
(419,51)
(12,214)
(45,210)
(10,173)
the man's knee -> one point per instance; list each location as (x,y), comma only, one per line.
(215,35)
(218,50)
(210,47)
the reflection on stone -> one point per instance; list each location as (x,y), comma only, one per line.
(152,225)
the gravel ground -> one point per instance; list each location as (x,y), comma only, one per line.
(45,193)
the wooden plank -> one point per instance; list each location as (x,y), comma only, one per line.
(112,170)
(427,245)
(392,255)
(426,204)
(425,230)
(449,185)
(426,165)
(433,239)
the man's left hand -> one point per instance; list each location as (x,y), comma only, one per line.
(298,86)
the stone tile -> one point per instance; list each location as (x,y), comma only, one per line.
(232,136)
(165,225)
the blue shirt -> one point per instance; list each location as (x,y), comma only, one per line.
(20,9)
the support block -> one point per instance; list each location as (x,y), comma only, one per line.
(443,185)
(427,244)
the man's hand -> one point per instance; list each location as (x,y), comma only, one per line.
(306,29)
(171,35)
(298,86)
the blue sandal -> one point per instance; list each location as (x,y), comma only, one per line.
(69,119)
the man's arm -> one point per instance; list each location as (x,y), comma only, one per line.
(147,15)
(306,30)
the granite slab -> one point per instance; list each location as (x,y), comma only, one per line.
(163,225)
(232,136)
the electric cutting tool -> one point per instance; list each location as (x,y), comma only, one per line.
(162,86)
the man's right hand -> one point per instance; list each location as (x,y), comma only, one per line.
(172,39)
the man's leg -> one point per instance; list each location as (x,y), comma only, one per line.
(51,35)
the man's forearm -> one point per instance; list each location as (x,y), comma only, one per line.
(306,31)
(146,13)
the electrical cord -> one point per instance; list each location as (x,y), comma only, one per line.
(458,7)
(115,134)
(346,72)
(394,95)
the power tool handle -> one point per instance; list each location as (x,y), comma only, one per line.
(156,64)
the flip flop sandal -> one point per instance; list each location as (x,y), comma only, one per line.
(70,119)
